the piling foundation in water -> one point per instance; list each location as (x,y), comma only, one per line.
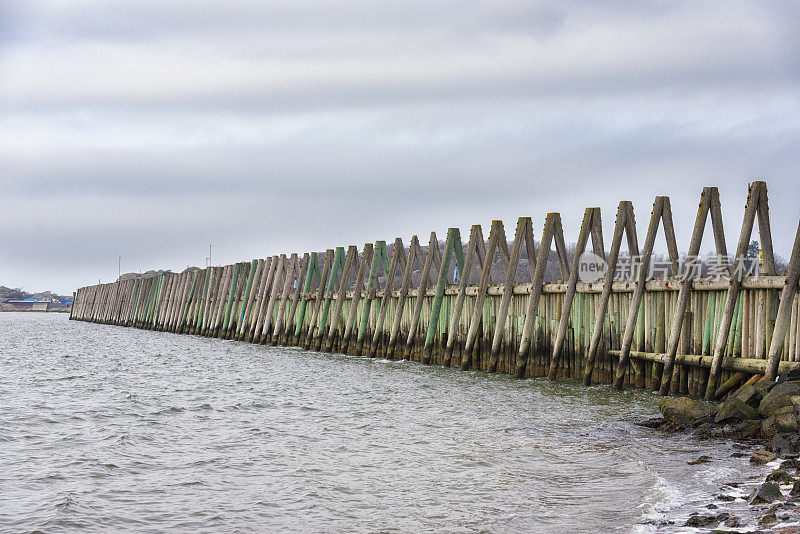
(677,331)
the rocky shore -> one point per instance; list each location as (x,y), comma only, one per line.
(764,418)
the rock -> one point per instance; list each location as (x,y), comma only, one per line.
(778,397)
(767,519)
(701,460)
(766,493)
(704,429)
(773,509)
(792,463)
(734,409)
(726,498)
(793,374)
(732,521)
(749,395)
(747,430)
(764,387)
(781,477)
(683,410)
(762,456)
(654,422)
(785,420)
(698,520)
(782,421)
(782,446)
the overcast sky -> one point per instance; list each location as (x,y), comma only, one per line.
(150,129)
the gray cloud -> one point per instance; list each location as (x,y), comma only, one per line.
(152,129)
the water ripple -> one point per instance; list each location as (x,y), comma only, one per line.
(112,429)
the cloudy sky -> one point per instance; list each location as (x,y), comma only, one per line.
(151,129)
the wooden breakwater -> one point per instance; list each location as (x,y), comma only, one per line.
(679,330)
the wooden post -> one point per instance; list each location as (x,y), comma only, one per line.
(349,263)
(660,211)
(625,222)
(325,285)
(287,288)
(266,293)
(414,253)
(784,310)
(358,288)
(378,257)
(291,320)
(427,269)
(266,328)
(324,308)
(709,201)
(253,291)
(756,204)
(398,262)
(496,235)
(522,236)
(553,232)
(313,266)
(452,246)
(475,250)
(591,224)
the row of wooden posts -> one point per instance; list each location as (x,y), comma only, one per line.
(683,334)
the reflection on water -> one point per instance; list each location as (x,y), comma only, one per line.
(105,428)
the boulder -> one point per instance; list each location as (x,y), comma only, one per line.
(749,395)
(747,430)
(735,410)
(795,489)
(783,446)
(782,421)
(793,374)
(764,387)
(655,422)
(778,397)
(781,477)
(792,463)
(766,493)
(705,429)
(683,410)
(762,456)
(767,519)
(701,520)
(732,521)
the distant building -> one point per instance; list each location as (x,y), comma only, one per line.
(43,305)
(29,304)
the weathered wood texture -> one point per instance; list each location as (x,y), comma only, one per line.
(669,329)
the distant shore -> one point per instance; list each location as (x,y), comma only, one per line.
(36,311)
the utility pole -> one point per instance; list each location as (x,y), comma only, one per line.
(119,267)
(209,255)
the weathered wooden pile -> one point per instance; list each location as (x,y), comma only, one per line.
(701,335)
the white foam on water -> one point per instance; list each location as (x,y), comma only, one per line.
(663,497)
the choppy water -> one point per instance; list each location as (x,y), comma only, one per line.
(108,428)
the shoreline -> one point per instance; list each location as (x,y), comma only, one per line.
(760,421)
(728,509)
